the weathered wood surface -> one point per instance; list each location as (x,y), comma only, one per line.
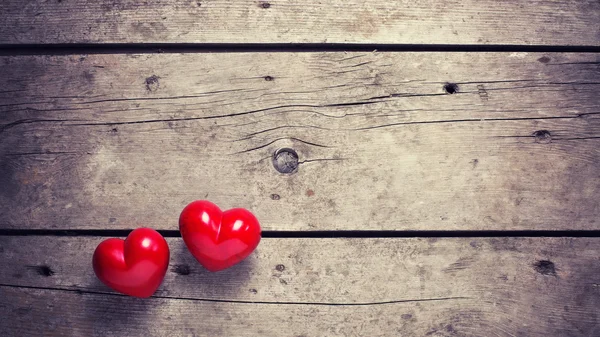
(315,287)
(537,22)
(119,141)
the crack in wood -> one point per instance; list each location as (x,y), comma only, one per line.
(322,159)
(80,291)
(134,99)
(577,138)
(250,135)
(358,65)
(30,121)
(276,140)
(290,234)
(39,153)
(470,120)
(403,95)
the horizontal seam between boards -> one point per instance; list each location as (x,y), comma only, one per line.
(151,48)
(321,234)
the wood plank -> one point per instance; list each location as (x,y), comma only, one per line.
(539,22)
(118,141)
(316,287)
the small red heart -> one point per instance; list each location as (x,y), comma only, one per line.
(218,240)
(135,266)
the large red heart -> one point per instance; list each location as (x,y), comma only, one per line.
(135,266)
(218,240)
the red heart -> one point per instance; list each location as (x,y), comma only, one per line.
(135,266)
(218,240)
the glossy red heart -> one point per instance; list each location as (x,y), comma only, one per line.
(218,240)
(135,266)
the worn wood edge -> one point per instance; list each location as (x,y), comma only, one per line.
(503,286)
(183,21)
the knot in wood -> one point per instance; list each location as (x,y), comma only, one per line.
(285,161)
(542,136)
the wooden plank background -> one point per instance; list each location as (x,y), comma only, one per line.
(537,22)
(461,141)
(120,141)
(314,287)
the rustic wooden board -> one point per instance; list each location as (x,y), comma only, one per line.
(315,287)
(118,141)
(537,22)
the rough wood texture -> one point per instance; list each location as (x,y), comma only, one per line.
(118,141)
(316,287)
(536,22)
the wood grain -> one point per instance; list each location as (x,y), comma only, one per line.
(119,141)
(343,287)
(537,22)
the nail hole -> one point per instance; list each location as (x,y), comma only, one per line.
(280,267)
(275,196)
(43,270)
(451,88)
(544,59)
(152,83)
(264,5)
(269,78)
(542,136)
(181,269)
(545,267)
(285,161)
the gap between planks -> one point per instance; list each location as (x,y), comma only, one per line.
(181,48)
(324,234)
